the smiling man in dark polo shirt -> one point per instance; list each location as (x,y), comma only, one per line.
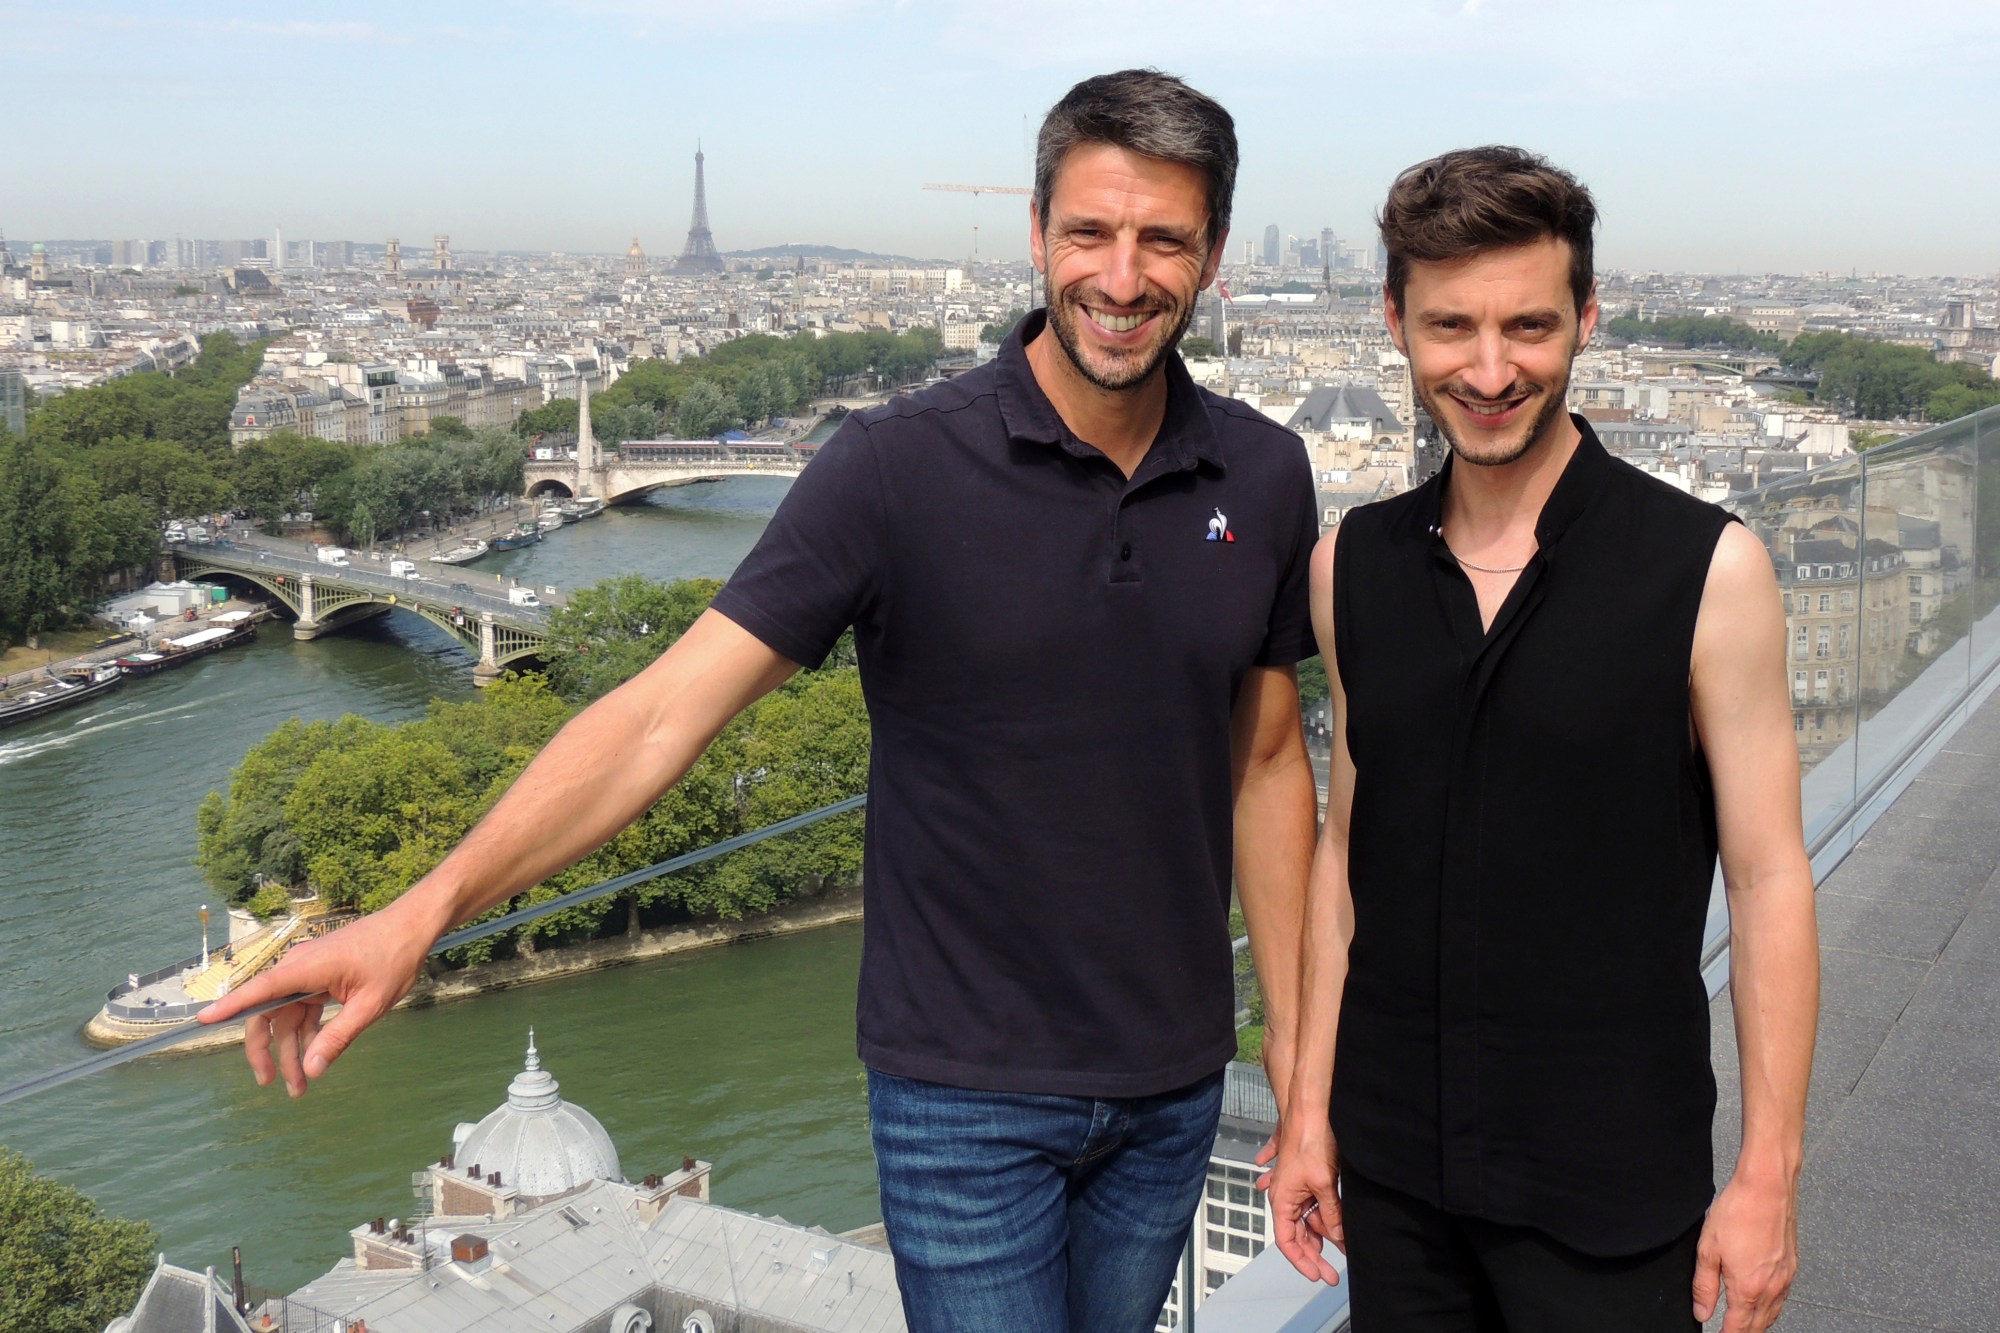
(1077,584)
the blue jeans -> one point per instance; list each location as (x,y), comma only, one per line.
(1037,1214)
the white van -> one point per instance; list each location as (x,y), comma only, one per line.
(404,569)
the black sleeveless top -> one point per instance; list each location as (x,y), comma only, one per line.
(1524,1035)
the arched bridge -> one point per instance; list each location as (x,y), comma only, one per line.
(639,466)
(326,597)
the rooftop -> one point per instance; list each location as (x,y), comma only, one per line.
(1899,1209)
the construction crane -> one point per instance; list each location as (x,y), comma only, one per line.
(990,189)
(983,189)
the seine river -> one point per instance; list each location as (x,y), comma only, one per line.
(743,1056)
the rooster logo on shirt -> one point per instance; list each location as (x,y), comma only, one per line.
(1218,528)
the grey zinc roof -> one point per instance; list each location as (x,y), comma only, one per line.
(768,1267)
(176,1300)
(1343,402)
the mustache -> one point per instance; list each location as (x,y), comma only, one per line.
(1147,305)
(1458,389)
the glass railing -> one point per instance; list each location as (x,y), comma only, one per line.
(1889,564)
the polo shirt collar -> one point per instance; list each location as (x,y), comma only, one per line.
(1567,501)
(1186,434)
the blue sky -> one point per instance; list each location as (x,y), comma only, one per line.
(1743,136)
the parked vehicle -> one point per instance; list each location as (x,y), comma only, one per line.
(523,597)
(333,555)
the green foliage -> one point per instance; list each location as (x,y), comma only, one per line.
(1198,349)
(611,631)
(360,812)
(705,410)
(270,901)
(1313,689)
(1250,1043)
(65,1267)
(1884,381)
(557,416)
(996,333)
(60,533)
(1723,334)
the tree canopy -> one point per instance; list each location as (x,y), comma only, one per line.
(65,1267)
(359,811)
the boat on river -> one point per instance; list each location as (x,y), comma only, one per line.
(63,690)
(549,522)
(582,507)
(524,534)
(225,631)
(462,554)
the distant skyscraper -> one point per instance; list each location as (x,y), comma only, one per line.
(700,255)
(1273,240)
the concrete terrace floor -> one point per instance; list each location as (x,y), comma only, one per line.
(1900,1205)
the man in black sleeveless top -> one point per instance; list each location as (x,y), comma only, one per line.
(1561,696)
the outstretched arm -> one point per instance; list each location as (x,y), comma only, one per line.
(1742,715)
(600,772)
(1305,1208)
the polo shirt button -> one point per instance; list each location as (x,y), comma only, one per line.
(1125,551)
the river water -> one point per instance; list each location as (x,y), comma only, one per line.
(743,1055)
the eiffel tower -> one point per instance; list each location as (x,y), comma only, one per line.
(700,255)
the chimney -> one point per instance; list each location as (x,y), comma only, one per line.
(469,1253)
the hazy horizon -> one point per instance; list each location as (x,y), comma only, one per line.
(1718,138)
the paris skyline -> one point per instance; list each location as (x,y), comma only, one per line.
(1717,137)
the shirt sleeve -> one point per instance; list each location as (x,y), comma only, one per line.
(1289,637)
(819,563)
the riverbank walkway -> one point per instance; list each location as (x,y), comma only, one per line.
(1900,1205)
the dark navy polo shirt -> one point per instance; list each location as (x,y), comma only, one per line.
(1050,654)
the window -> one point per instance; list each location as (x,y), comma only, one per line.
(1799,685)
(1826,601)
(1847,601)
(1916,583)
(1799,641)
(1819,687)
(1822,641)
(1233,1213)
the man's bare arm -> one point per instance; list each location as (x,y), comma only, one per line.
(1274,839)
(1304,1206)
(1742,715)
(604,769)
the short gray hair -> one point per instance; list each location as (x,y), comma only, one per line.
(1149,113)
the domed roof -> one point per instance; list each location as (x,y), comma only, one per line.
(635,252)
(540,1144)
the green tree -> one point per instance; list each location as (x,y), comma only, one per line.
(1197,349)
(65,1266)
(611,631)
(996,333)
(705,411)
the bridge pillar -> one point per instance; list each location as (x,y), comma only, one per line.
(488,668)
(307,626)
(168,571)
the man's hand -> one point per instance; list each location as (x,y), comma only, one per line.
(1305,1209)
(366,966)
(1750,1250)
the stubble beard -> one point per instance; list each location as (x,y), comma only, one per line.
(1505,451)
(1133,367)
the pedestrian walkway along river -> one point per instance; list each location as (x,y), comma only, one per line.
(742,1055)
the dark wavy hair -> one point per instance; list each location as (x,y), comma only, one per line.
(1473,200)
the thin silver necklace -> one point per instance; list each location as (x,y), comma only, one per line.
(1484,569)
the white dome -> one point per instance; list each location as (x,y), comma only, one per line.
(540,1144)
